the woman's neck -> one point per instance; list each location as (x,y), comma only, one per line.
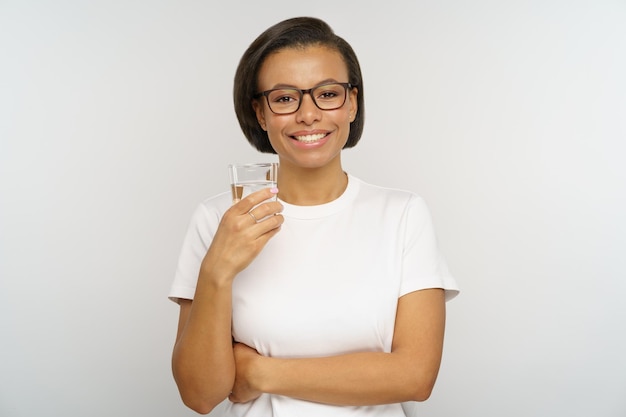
(311,186)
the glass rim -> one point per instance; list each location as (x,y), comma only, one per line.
(252,164)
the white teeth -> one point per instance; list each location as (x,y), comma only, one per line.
(310,138)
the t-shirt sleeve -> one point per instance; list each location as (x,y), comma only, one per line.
(423,266)
(195,245)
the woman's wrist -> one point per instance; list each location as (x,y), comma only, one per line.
(258,373)
(216,277)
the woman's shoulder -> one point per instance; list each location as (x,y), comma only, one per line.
(218,201)
(387,194)
(214,206)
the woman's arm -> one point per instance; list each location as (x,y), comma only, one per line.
(202,361)
(408,373)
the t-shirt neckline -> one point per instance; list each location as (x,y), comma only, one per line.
(326,209)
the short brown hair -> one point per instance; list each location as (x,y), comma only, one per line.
(290,33)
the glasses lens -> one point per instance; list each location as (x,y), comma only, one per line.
(329,96)
(284,100)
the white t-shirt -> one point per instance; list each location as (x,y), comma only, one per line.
(328,283)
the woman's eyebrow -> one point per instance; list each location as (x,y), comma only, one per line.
(282,85)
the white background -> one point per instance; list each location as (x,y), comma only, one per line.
(509,117)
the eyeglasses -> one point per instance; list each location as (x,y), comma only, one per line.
(288,100)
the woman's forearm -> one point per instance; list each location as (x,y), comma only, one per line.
(367,378)
(202,361)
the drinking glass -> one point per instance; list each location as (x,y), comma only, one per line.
(248,178)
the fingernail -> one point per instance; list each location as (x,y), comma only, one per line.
(274,190)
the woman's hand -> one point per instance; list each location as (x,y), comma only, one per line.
(244,230)
(245,359)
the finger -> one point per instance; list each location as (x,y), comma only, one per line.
(267,228)
(246,204)
(253,217)
(264,210)
(269,234)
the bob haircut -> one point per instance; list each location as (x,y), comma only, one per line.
(299,32)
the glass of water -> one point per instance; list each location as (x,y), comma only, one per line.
(248,178)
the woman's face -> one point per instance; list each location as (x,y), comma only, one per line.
(310,137)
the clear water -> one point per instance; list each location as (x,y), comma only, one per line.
(243,189)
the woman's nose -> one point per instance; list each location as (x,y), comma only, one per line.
(308,111)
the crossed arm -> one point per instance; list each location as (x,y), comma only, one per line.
(408,373)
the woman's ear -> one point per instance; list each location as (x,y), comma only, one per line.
(354,106)
(260,115)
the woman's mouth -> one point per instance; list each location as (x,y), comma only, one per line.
(310,138)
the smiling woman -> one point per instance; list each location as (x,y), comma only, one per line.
(508,117)
(335,301)
(316,128)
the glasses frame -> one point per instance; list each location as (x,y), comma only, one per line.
(346,87)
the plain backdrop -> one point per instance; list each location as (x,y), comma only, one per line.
(508,117)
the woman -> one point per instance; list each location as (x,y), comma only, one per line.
(334,303)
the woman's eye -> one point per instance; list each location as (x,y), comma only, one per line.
(328,94)
(284,99)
